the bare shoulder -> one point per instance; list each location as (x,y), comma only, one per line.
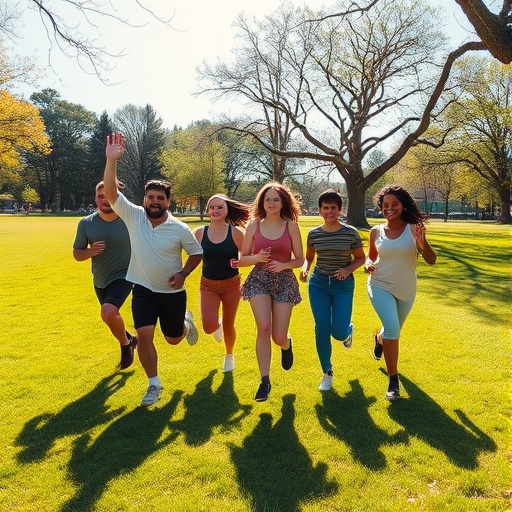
(198,233)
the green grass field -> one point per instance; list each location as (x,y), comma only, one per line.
(74,438)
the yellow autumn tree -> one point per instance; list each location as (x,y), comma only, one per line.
(21,125)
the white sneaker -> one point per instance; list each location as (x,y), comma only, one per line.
(229,363)
(348,341)
(152,395)
(192,334)
(326,383)
(218,335)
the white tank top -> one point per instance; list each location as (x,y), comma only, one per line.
(395,268)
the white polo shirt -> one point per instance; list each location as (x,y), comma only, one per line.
(156,252)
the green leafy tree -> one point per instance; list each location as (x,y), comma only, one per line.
(481,140)
(61,174)
(195,164)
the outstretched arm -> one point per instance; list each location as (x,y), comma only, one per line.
(113,152)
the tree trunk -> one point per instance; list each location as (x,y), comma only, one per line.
(492,29)
(505,217)
(356,213)
(446,202)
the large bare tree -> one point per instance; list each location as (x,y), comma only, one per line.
(347,84)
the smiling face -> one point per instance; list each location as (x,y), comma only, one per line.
(392,207)
(272,202)
(217,209)
(330,212)
(156,203)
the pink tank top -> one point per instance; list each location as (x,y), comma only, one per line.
(281,247)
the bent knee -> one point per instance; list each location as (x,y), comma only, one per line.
(109,313)
(173,341)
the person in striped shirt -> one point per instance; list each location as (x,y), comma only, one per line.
(339,251)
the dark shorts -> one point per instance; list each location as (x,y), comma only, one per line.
(115,293)
(148,307)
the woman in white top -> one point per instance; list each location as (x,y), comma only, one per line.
(391,264)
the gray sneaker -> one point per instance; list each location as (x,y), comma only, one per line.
(192,334)
(152,396)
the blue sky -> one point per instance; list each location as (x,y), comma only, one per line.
(159,68)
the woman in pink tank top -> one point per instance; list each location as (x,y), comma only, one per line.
(273,244)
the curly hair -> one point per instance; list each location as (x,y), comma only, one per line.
(238,213)
(411,213)
(290,209)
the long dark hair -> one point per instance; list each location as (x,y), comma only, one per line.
(238,213)
(411,213)
(290,209)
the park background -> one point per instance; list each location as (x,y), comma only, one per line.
(75,439)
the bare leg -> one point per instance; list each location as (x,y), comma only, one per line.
(261,306)
(147,351)
(281,314)
(110,315)
(390,355)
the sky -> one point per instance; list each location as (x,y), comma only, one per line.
(160,66)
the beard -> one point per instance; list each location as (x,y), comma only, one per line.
(154,214)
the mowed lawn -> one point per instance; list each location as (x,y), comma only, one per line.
(75,439)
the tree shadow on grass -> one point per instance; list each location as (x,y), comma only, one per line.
(206,409)
(423,418)
(119,449)
(466,278)
(347,419)
(273,468)
(41,432)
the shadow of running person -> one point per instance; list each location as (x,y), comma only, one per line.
(41,432)
(120,448)
(347,419)
(206,409)
(274,470)
(423,418)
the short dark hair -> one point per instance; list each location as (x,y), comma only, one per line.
(163,185)
(330,196)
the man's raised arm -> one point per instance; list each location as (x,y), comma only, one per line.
(113,152)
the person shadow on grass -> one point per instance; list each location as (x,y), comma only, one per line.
(205,410)
(121,448)
(424,419)
(40,433)
(347,419)
(273,468)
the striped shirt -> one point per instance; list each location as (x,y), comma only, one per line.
(333,248)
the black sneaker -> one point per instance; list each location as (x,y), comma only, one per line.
(127,353)
(377,348)
(287,356)
(263,391)
(393,391)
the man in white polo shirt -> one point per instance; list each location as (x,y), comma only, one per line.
(157,240)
